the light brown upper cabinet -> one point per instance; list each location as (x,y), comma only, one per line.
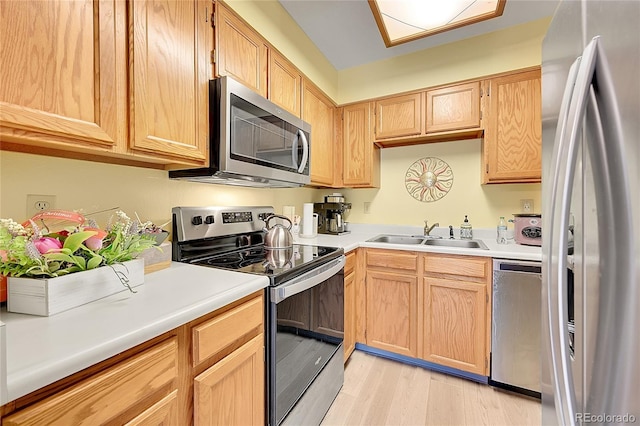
(453,108)
(285,84)
(512,147)
(169,82)
(361,158)
(319,111)
(399,116)
(239,52)
(435,115)
(65,92)
(63,79)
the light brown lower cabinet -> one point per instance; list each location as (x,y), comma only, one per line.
(349,315)
(457,313)
(209,371)
(231,392)
(113,395)
(349,305)
(454,326)
(392,301)
(430,306)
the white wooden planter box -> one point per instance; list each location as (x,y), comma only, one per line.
(49,296)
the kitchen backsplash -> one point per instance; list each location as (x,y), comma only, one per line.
(392,204)
(94,187)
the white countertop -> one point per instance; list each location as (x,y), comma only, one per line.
(41,350)
(360,233)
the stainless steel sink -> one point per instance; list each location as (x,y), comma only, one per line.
(457,243)
(427,241)
(396,239)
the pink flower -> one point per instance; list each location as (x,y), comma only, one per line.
(95,242)
(3,255)
(47,244)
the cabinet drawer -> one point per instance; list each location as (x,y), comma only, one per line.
(467,266)
(217,333)
(350,263)
(108,394)
(406,261)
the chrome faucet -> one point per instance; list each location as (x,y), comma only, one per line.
(428,229)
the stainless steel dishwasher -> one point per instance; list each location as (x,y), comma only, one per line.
(515,326)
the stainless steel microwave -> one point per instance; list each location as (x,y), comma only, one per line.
(253,142)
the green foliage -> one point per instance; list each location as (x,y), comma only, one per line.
(19,254)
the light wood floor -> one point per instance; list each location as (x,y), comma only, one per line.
(378,391)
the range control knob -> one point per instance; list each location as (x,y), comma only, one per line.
(196,220)
(209,220)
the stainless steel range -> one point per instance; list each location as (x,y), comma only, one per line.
(305,303)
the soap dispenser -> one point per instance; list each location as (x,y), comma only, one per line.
(466,232)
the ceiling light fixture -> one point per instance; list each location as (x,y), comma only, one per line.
(401,21)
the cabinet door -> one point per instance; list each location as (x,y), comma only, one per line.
(513,134)
(361,158)
(170,78)
(240,52)
(453,108)
(455,324)
(66,83)
(232,391)
(285,84)
(349,314)
(392,312)
(318,111)
(399,116)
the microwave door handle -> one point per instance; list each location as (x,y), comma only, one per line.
(305,151)
(294,151)
(616,358)
(562,165)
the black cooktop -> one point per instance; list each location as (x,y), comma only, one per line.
(279,265)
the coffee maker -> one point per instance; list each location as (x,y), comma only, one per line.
(331,215)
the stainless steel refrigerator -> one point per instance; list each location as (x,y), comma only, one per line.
(591,196)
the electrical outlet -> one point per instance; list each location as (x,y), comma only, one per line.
(40,203)
(367,207)
(526,206)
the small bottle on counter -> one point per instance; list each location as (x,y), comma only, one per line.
(295,227)
(466,232)
(502,231)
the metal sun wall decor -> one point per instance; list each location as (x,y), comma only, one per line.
(428,179)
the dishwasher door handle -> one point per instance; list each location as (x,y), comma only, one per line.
(517,266)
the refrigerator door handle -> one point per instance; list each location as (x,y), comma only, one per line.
(615,357)
(563,165)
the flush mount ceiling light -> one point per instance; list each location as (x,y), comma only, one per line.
(400,21)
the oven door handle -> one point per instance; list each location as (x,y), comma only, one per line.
(307,280)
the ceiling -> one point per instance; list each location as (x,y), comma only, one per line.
(346,32)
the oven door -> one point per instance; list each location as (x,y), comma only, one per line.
(306,330)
